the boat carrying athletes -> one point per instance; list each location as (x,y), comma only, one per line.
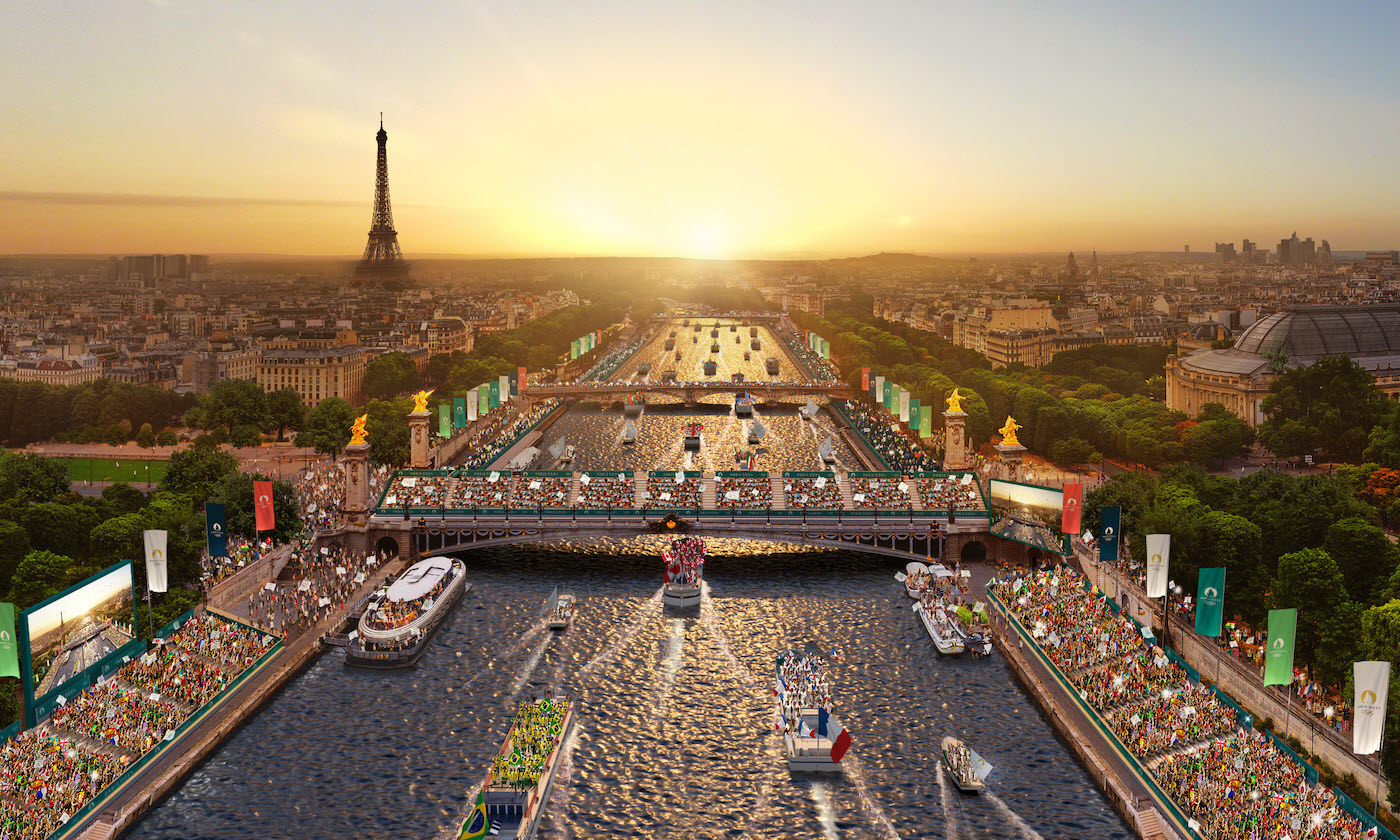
(685,563)
(511,801)
(814,740)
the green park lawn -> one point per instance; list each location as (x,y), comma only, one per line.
(110,469)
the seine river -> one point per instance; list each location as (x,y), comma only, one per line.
(675,737)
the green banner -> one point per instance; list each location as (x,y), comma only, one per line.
(1210,601)
(483,400)
(9,642)
(573,349)
(885,397)
(807,474)
(495,394)
(1278,662)
(926,424)
(459,412)
(914,408)
(444,420)
(741,474)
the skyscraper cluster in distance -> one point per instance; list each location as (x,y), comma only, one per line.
(1291,251)
(144,271)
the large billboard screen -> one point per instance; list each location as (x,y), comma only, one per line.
(74,630)
(1045,502)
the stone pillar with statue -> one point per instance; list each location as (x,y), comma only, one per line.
(418,438)
(1010,450)
(955,449)
(356,507)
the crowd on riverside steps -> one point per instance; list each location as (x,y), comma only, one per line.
(325,582)
(49,773)
(890,444)
(320,490)
(1231,781)
(241,552)
(499,430)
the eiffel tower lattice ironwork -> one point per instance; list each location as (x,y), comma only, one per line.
(383,263)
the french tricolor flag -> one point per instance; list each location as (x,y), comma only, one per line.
(829,727)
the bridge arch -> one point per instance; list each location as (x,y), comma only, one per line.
(973,551)
(386,546)
(902,545)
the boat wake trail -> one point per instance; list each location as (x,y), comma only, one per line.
(851,767)
(675,660)
(826,815)
(945,797)
(524,640)
(559,797)
(711,625)
(1023,828)
(648,609)
(530,665)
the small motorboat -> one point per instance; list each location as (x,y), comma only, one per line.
(826,451)
(561,451)
(757,431)
(692,436)
(771,365)
(558,609)
(629,432)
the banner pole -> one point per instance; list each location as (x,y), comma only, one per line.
(1287,708)
(1376,801)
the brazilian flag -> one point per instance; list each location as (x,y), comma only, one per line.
(477,824)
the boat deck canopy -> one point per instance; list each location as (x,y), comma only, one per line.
(420,580)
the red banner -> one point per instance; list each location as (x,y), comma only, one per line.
(1069,515)
(262,505)
(865,380)
(521,377)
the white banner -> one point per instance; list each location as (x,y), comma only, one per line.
(1159,548)
(903,405)
(1372,687)
(155,561)
(473,403)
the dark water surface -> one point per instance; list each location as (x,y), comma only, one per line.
(675,735)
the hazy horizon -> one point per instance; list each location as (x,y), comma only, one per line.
(723,131)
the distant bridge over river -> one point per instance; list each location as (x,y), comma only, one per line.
(691,392)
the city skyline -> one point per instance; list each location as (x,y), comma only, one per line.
(724,132)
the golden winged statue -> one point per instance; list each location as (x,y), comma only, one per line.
(420,402)
(357,430)
(1008,432)
(955,401)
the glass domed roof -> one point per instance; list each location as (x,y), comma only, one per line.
(1314,331)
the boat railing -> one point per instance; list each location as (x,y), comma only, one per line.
(421,622)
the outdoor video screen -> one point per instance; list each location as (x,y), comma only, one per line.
(1044,502)
(74,630)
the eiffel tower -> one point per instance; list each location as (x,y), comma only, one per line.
(383,264)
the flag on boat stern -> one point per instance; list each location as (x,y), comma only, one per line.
(477,824)
(831,728)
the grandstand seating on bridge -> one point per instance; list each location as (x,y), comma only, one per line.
(550,491)
(418,490)
(664,492)
(478,490)
(941,492)
(816,493)
(884,493)
(607,490)
(744,492)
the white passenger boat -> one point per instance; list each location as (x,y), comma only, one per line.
(685,565)
(814,741)
(941,629)
(967,768)
(826,451)
(558,609)
(513,797)
(809,411)
(915,579)
(399,620)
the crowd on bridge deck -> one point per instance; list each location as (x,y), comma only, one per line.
(891,445)
(667,493)
(49,773)
(744,492)
(598,490)
(1232,781)
(418,491)
(535,491)
(499,431)
(491,491)
(881,493)
(819,493)
(324,582)
(942,493)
